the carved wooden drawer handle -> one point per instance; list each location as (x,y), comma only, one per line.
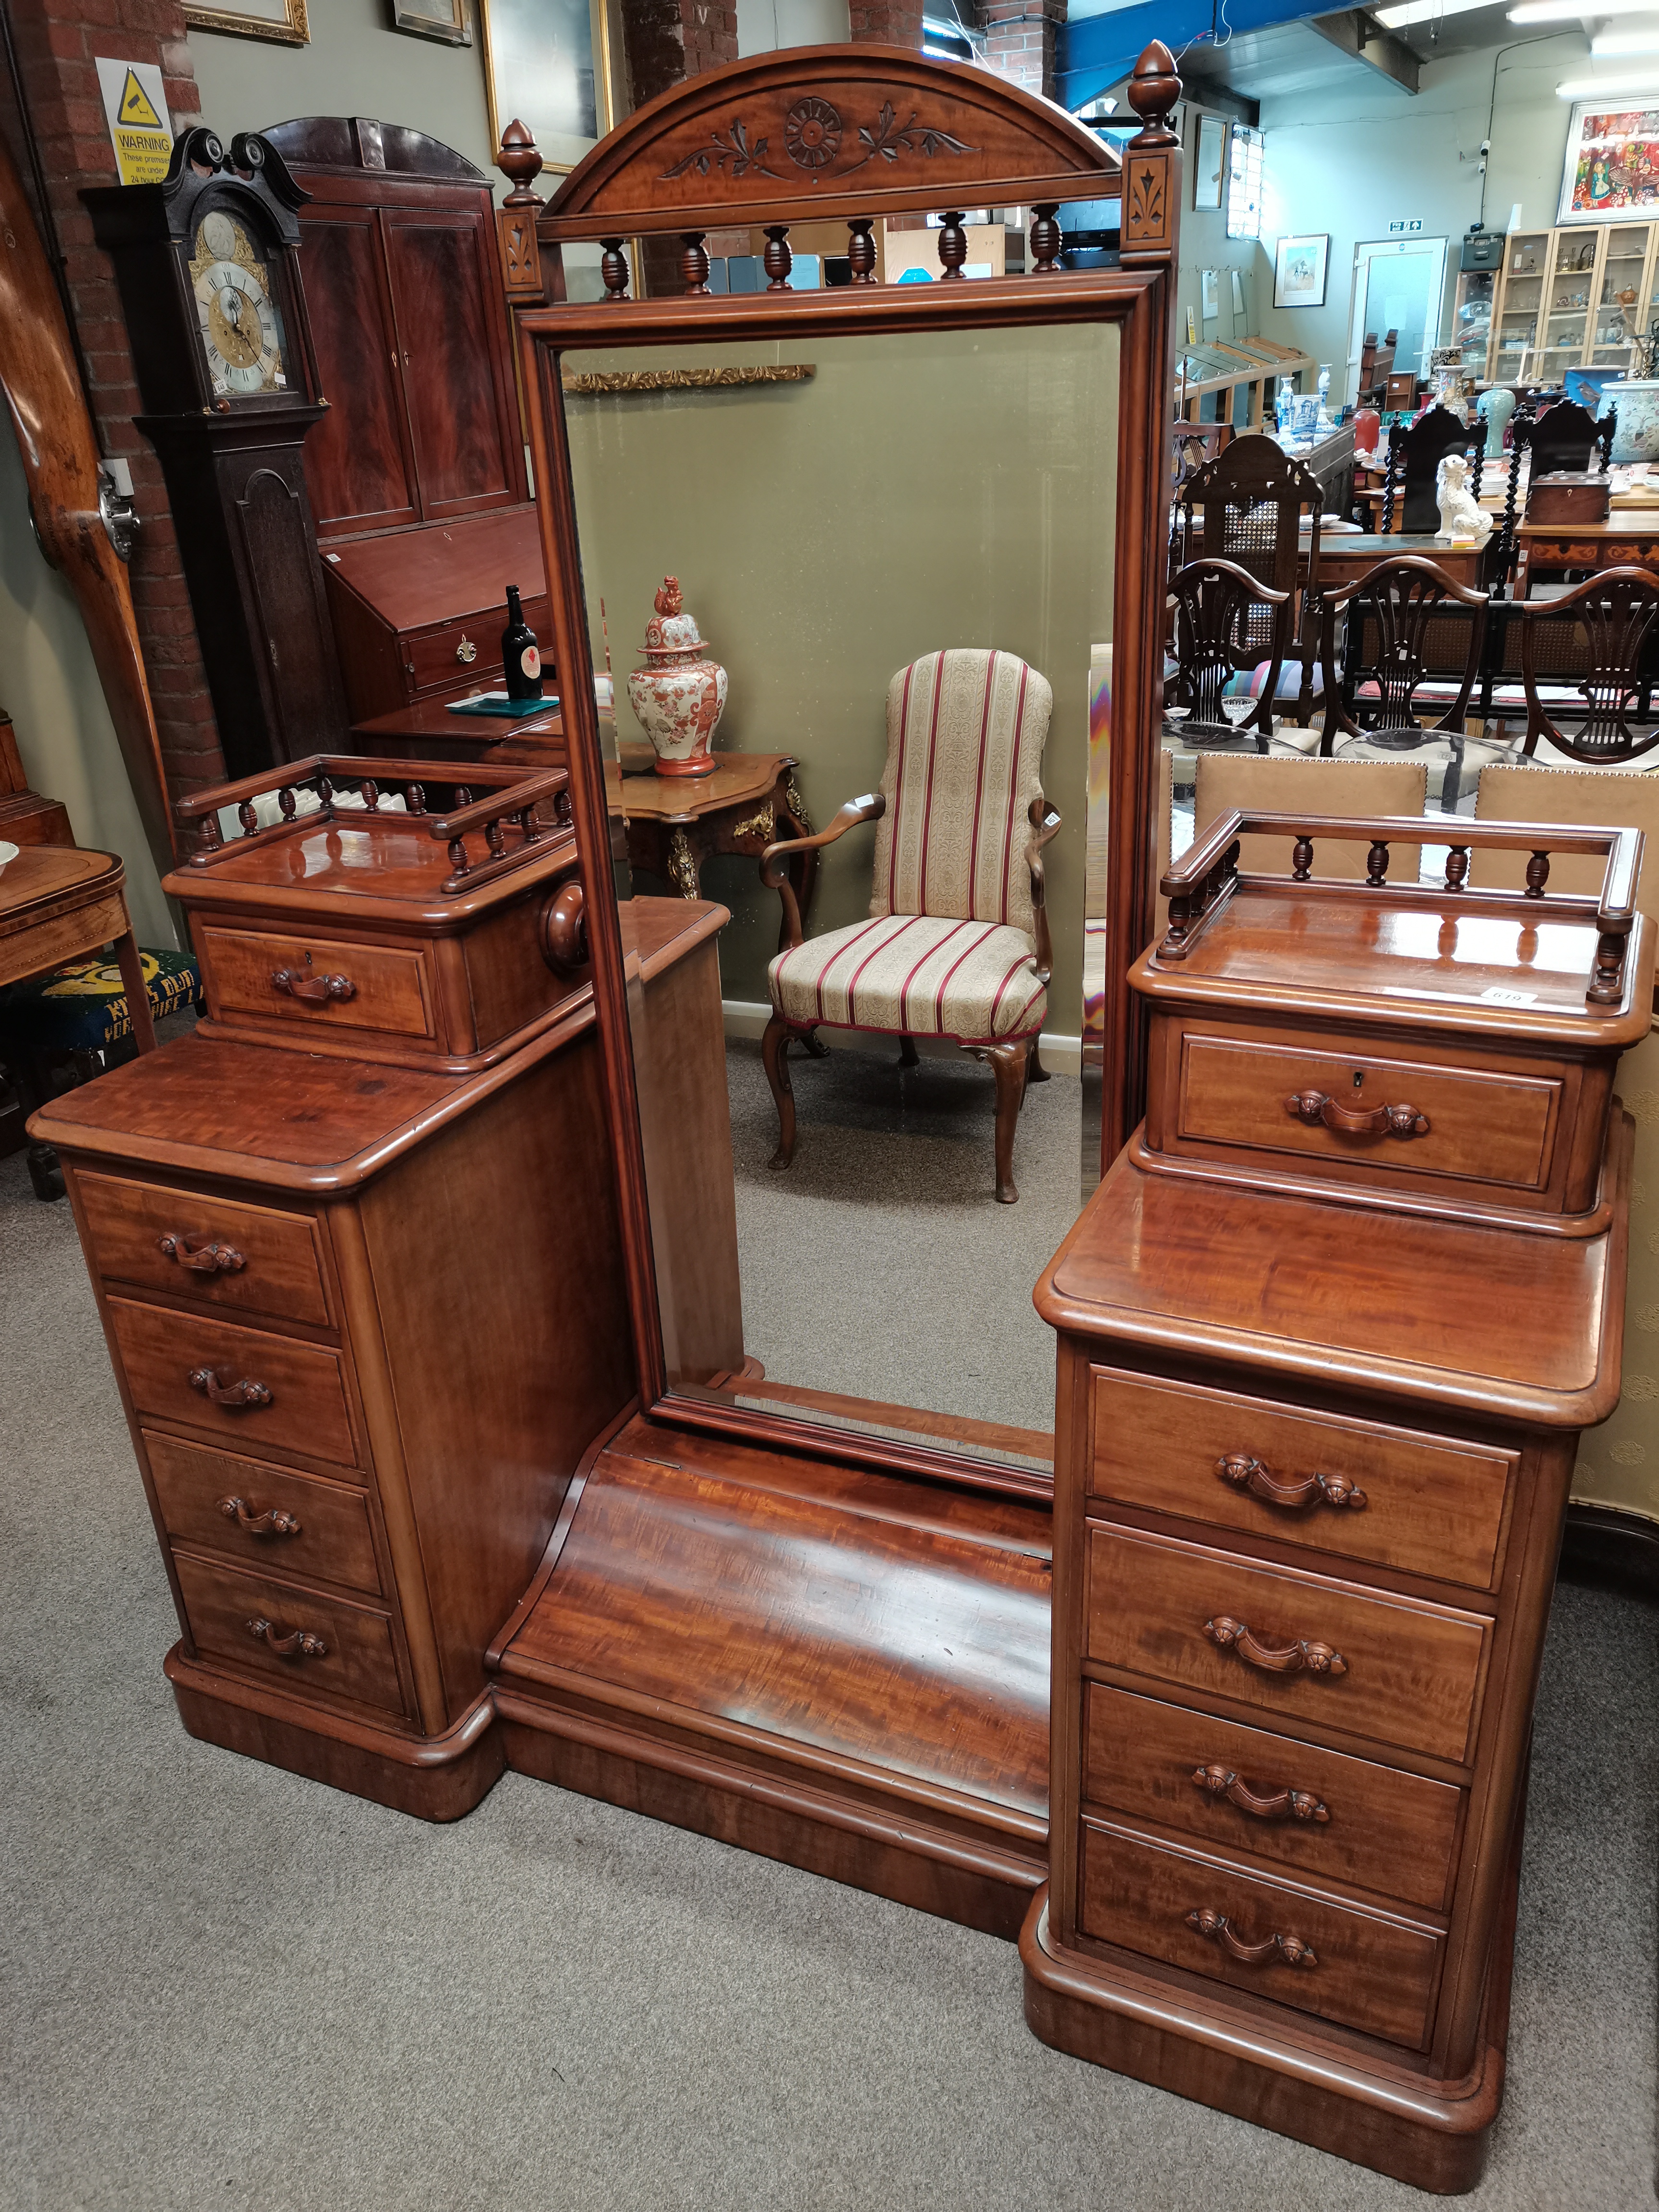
(273,1522)
(1303,1657)
(298,1644)
(228,1394)
(1221,1782)
(314,989)
(212,1259)
(1216,1928)
(1245,1473)
(1314,1106)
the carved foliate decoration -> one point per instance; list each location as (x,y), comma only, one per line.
(520,252)
(813,138)
(1147,199)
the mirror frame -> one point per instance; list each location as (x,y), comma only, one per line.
(669,169)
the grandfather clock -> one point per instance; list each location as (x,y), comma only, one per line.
(204,263)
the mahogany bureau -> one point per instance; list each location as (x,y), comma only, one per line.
(1315,1428)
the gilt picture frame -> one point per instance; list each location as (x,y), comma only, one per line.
(447,22)
(1610,170)
(1299,271)
(549,64)
(283,22)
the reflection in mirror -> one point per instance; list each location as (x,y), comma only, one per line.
(855,591)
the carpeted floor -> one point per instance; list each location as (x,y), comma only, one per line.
(226,1987)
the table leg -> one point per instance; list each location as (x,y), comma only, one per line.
(803,866)
(682,866)
(132,982)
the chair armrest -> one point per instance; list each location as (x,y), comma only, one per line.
(869,808)
(1045,821)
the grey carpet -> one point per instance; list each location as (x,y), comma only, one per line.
(222,1986)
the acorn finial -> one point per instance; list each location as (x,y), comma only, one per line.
(1154,89)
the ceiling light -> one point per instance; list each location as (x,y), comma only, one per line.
(1644,86)
(1571,11)
(1409,12)
(1605,44)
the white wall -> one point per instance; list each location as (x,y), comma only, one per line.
(765,25)
(1354,162)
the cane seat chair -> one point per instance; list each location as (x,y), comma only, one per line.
(1251,498)
(956,944)
(1220,614)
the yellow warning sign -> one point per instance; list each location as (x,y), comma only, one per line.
(136,108)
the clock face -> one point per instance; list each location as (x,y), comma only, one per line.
(240,329)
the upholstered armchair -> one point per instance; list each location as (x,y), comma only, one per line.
(956,942)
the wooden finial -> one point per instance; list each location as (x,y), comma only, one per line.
(1154,89)
(520,163)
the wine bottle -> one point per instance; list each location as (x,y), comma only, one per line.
(521,659)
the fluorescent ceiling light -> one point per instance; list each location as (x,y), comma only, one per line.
(1607,45)
(1408,12)
(1631,86)
(1571,11)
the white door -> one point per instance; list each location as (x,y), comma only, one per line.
(1398,283)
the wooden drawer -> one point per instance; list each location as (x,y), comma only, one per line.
(225,1254)
(1352,1824)
(1493,1127)
(290,1523)
(335,1649)
(1370,1971)
(1431,1506)
(433,657)
(390,990)
(305,1410)
(1403,1673)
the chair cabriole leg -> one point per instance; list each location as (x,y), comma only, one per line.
(774,1047)
(1008,1065)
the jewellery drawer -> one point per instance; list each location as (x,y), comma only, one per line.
(1370,1971)
(263,1515)
(317,1644)
(1426,1505)
(1324,1653)
(1363,1114)
(1337,1819)
(289,980)
(225,1254)
(252,1391)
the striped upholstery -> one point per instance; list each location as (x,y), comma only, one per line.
(914,975)
(965,733)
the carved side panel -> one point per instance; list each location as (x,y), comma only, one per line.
(522,256)
(1152,198)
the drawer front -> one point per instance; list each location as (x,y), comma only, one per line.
(1342,1821)
(1495,1128)
(304,1409)
(1368,1970)
(316,1645)
(439,657)
(1428,1507)
(369,986)
(276,1519)
(1318,1651)
(235,1256)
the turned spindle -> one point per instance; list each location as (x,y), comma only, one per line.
(208,837)
(1538,874)
(1457,867)
(414,798)
(613,267)
(1607,987)
(952,245)
(324,794)
(495,838)
(694,263)
(777,260)
(369,792)
(457,855)
(286,802)
(247,815)
(1376,863)
(861,249)
(1046,238)
(1302,860)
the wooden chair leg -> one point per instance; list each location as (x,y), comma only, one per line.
(908,1054)
(131,965)
(774,1047)
(1008,1065)
(1034,1071)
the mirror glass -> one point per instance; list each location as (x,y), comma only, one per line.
(897,553)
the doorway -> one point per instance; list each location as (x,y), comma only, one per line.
(1398,285)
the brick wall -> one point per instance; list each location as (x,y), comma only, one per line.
(1020,40)
(56,43)
(888,22)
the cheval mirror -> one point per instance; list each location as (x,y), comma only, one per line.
(899,536)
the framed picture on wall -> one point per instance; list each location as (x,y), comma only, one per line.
(281,19)
(446,20)
(548,65)
(1299,271)
(1612,169)
(1211,284)
(1210,163)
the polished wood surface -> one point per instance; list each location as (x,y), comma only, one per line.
(304,1407)
(61,456)
(257,1515)
(329,1647)
(26,818)
(1629,538)
(209,1250)
(59,903)
(1344,559)
(427,728)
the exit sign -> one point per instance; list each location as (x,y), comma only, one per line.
(1397,229)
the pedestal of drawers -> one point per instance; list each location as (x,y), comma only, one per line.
(1311,1472)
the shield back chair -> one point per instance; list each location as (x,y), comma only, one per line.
(1589,668)
(956,943)
(1218,610)
(1251,497)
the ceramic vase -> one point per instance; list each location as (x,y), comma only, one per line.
(1637,436)
(1495,408)
(679,695)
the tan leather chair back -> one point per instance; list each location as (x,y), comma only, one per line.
(1596,797)
(1312,786)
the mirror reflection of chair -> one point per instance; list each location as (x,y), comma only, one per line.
(956,945)
(1415,452)
(1332,788)
(1218,610)
(1589,668)
(1251,498)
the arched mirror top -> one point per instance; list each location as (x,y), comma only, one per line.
(846,129)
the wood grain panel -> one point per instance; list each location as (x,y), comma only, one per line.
(1371,1970)
(1413,1671)
(454,405)
(357,1662)
(332,1542)
(392,995)
(1384,1831)
(357,465)
(160,1350)
(1433,1506)
(282,1271)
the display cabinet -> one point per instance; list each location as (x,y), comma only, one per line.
(1572,298)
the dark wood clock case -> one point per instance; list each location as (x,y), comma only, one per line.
(234,466)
